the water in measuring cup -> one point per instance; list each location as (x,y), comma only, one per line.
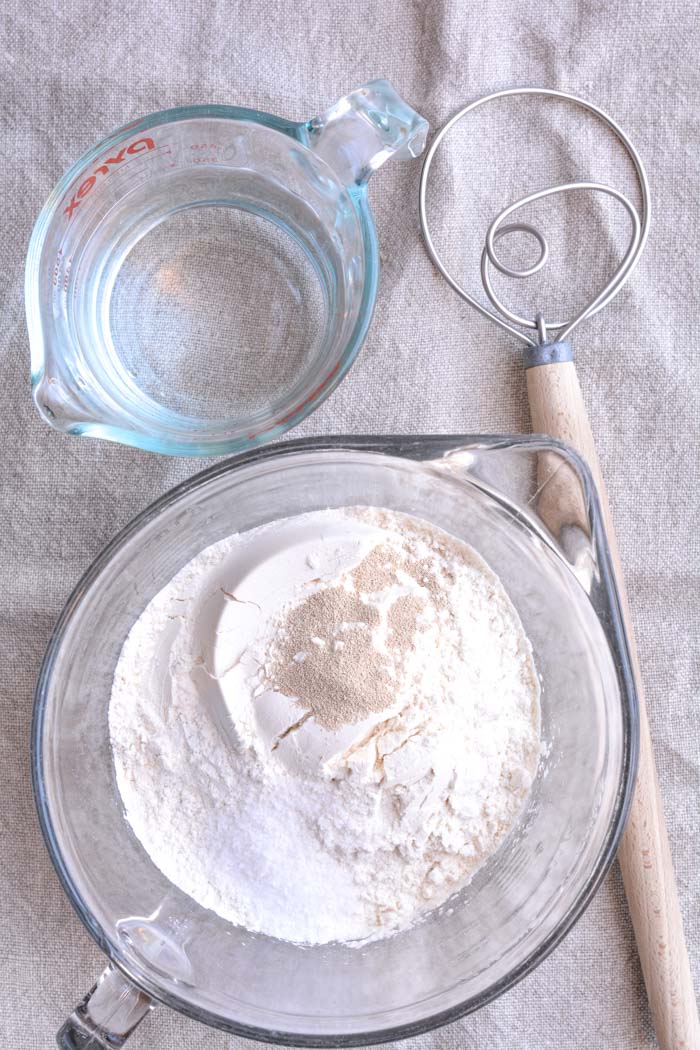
(215,311)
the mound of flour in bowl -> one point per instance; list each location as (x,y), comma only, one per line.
(322,727)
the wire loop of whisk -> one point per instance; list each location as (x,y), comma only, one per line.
(501,314)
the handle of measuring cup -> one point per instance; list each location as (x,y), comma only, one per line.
(107,1016)
(363,129)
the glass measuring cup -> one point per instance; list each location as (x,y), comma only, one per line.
(162,945)
(199,281)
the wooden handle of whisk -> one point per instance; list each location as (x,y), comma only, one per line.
(557,409)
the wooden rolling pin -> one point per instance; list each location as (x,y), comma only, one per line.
(557,409)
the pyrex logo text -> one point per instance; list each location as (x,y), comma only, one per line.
(140,146)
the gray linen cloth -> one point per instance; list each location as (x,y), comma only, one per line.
(71,72)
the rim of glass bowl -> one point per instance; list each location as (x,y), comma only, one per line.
(288,415)
(418,448)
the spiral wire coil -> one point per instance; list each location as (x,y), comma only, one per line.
(546,331)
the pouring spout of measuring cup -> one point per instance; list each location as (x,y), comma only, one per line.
(363,129)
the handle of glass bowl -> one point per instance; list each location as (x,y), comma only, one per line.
(107,1016)
(363,129)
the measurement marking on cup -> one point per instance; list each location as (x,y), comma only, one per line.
(57,267)
(212,149)
(61,278)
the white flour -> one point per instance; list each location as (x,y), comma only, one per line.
(311,827)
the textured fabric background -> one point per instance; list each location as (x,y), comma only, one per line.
(71,72)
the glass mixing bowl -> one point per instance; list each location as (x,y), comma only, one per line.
(165,947)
